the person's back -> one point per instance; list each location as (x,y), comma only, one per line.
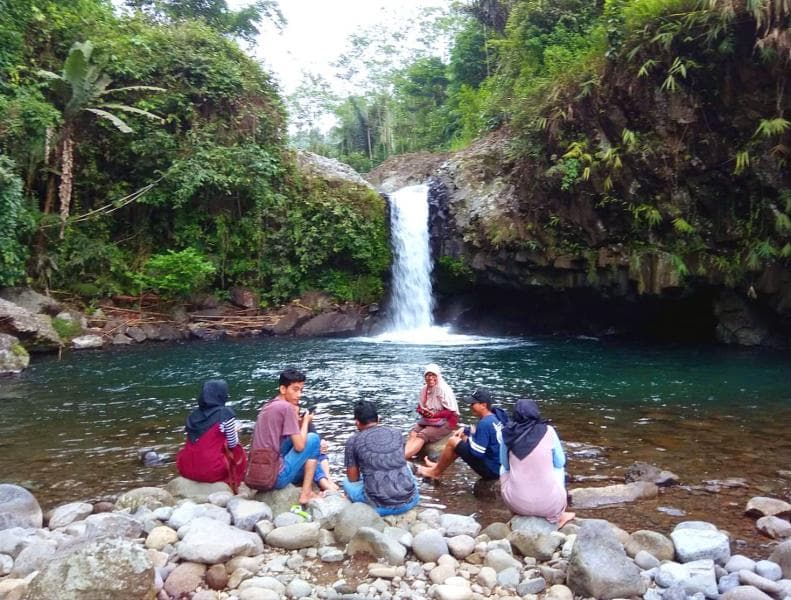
(378,452)
(276,421)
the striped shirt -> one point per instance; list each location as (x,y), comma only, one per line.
(228,427)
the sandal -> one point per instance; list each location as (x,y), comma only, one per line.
(299,510)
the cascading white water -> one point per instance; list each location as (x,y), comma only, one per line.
(411,303)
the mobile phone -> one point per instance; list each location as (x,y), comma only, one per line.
(312,409)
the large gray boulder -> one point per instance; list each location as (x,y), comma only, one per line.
(327,509)
(13,356)
(612,494)
(31,300)
(34,331)
(96,570)
(209,541)
(331,323)
(354,516)
(697,540)
(599,567)
(19,508)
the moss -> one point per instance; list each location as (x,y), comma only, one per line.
(66,329)
(19,350)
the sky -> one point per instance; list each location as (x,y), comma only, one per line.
(317,31)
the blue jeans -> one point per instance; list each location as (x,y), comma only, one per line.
(355,491)
(293,470)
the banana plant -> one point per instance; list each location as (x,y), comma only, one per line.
(81,88)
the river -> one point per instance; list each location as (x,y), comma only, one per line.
(71,429)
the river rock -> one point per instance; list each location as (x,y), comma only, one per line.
(291,319)
(498,559)
(656,544)
(280,501)
(243,297)
(598,565)
(745,592)
(327,509)
(699,540)
(246,513)
(762,583)
(87,342)
(612,494)
(217,577)
(500,531)
(13,356)
(540,546)
(209,541)
(18,508)
(429,545)
(769,569)
(161,536)
(452,592)
(738,562)
(112,525)
(641,471)
(294,537)
(352,517)
(761,506)
(298,588)
(782,556)
(371,541)
(34,331)
(559,592)
(461,546)
(14,539)
(188,511)
(694,577)
(774,527)
(197,491)
(31,300)
(331,323)
(68,513)
(34,556)
(255,593)
(96,570)
(459,525)
(149,497)
(184,579)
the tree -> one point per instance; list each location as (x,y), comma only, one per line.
(80,89)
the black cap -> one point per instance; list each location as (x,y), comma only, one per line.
(480,395)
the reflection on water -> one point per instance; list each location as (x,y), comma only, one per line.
(71,429)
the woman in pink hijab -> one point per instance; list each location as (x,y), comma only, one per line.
(438,410)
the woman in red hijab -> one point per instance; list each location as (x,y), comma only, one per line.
(212,451)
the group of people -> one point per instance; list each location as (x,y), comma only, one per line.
(523,451)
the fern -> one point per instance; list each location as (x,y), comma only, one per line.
(772,127)
(682,226)
(742,162)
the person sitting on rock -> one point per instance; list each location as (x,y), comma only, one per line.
(211,452)
(376,470)
(531,481)
(279,426)
(479,448)
(438,410)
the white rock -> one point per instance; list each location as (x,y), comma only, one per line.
(209,541)
(68,513)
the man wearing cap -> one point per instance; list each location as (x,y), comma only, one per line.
(480,448)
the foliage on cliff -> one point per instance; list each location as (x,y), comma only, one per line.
(209,175)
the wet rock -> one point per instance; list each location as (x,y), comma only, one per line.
(654,543)
(246,513)
(68,513)
(18,508)
(371,541)
(487,489)
(599,567)
(761,506)
(329,324)
(782,556)
(111,568)
(208,541)
(13,356)
(641,471)
(149,497)
(774,527)
(87,342)
(695,540)
(612,494)
(294,537)
(293,318)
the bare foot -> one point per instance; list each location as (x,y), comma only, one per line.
(429,463)
(565,518)
(328,485)
(306,497)
(426,472)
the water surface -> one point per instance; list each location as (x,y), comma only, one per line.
(71,429)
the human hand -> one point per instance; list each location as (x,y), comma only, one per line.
(324,447)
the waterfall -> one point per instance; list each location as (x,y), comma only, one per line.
(412,302)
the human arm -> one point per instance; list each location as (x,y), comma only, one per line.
(229,428)
(558,455)
(299,439)
(350,460)
(504,466)
(481,438)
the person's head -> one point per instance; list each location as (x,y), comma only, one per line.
(526,410)
(431,374)
(213,393)
(291,383)
(365,413)
(480,402)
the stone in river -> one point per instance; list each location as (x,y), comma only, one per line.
(209,541)
(761,506)
(19,508)
(745,592)
(782,556)
(774,527)
(695,540)
(294,537)
(612,494)
(656,544)
(374,542)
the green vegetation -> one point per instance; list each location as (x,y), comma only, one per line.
(146,150)
(66,328)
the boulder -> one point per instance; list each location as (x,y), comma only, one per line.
(13,356)
(280,501)
(34,331)
(209,541)
(540,546)
(774,527)
(18,508)
(112,524)
(782,556)
(294,537)
(68,513)
(291,319)
(598,565)
(761,506)
(189,511)
(96,570)
(371,541)
(243,297)
(87,342)
(181,487)
(331,323)
(429,545)
(612,494)
(149,497)
(31,300)
(327,509)
(699,540)
(354,516)
(657,545)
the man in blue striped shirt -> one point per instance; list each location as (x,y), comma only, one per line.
(478,447)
